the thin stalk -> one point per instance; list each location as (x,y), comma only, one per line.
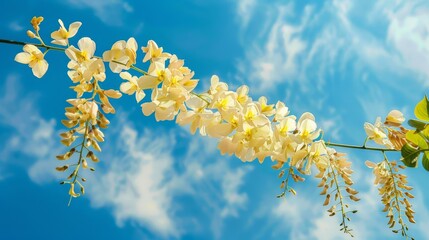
(13,42)
(136,69)
(341,202)
(80,157)
(400,220)
(331,144)
(290,170)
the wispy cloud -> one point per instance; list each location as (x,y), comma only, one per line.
(135,183)
(408,33)
(111,12)
(15,26)
(140,178)
(275,60)
(30,134)
(141,183)
(245,10)
(315,50)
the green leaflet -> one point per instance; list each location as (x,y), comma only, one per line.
(409,155)
(419,125)
(425,161)
(417,138)
(422,109)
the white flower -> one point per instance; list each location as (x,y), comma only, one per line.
(62,35)
(34,58)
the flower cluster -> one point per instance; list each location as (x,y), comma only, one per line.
(394,193)
(391,133)
(85,116)
(249,129)
(32,55)
(246,128)
(393,190)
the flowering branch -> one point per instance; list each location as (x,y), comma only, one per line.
(245,128)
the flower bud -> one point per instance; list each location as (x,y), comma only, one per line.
(71,191)
(112,93)
(69,123)
(62,168)
(84,164)
(30,34)
(395,118)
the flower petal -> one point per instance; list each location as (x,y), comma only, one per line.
(73,28)
(23,58)
(40,68)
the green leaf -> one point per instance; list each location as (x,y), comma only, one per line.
(419,125)
(409,155)
(422,109)
(425,161)
(417,139)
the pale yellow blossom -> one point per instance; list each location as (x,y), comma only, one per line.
(376,133)
(34,58)
(84,53)
(307,128)
(122,55)
(281,111)
(153,52)
(267,110)
(62,35)
(131,86)
(395,118)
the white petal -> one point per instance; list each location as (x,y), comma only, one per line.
(23,58)
(73,28)
(132,44)
(87,45)
(148,108)
(308,125)
(125,75)
(147,82)
(140,95)
(31,49)
(40,68)
(127,88)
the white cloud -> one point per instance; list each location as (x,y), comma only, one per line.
(209,177)
(306,218)
(408,32)
(276,59)
(110,12)
(231,184)
(31,134)
(315,50)
(245,9)
(15,26)
(138,177)
(135,184)
(141,182)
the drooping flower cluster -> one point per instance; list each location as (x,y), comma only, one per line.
(85,116)
(394,193)
(245,128)
(336,178)
(248,129)
(393,189)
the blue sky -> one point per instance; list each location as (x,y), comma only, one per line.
(345,61)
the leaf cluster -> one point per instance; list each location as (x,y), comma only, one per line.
(418,139)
